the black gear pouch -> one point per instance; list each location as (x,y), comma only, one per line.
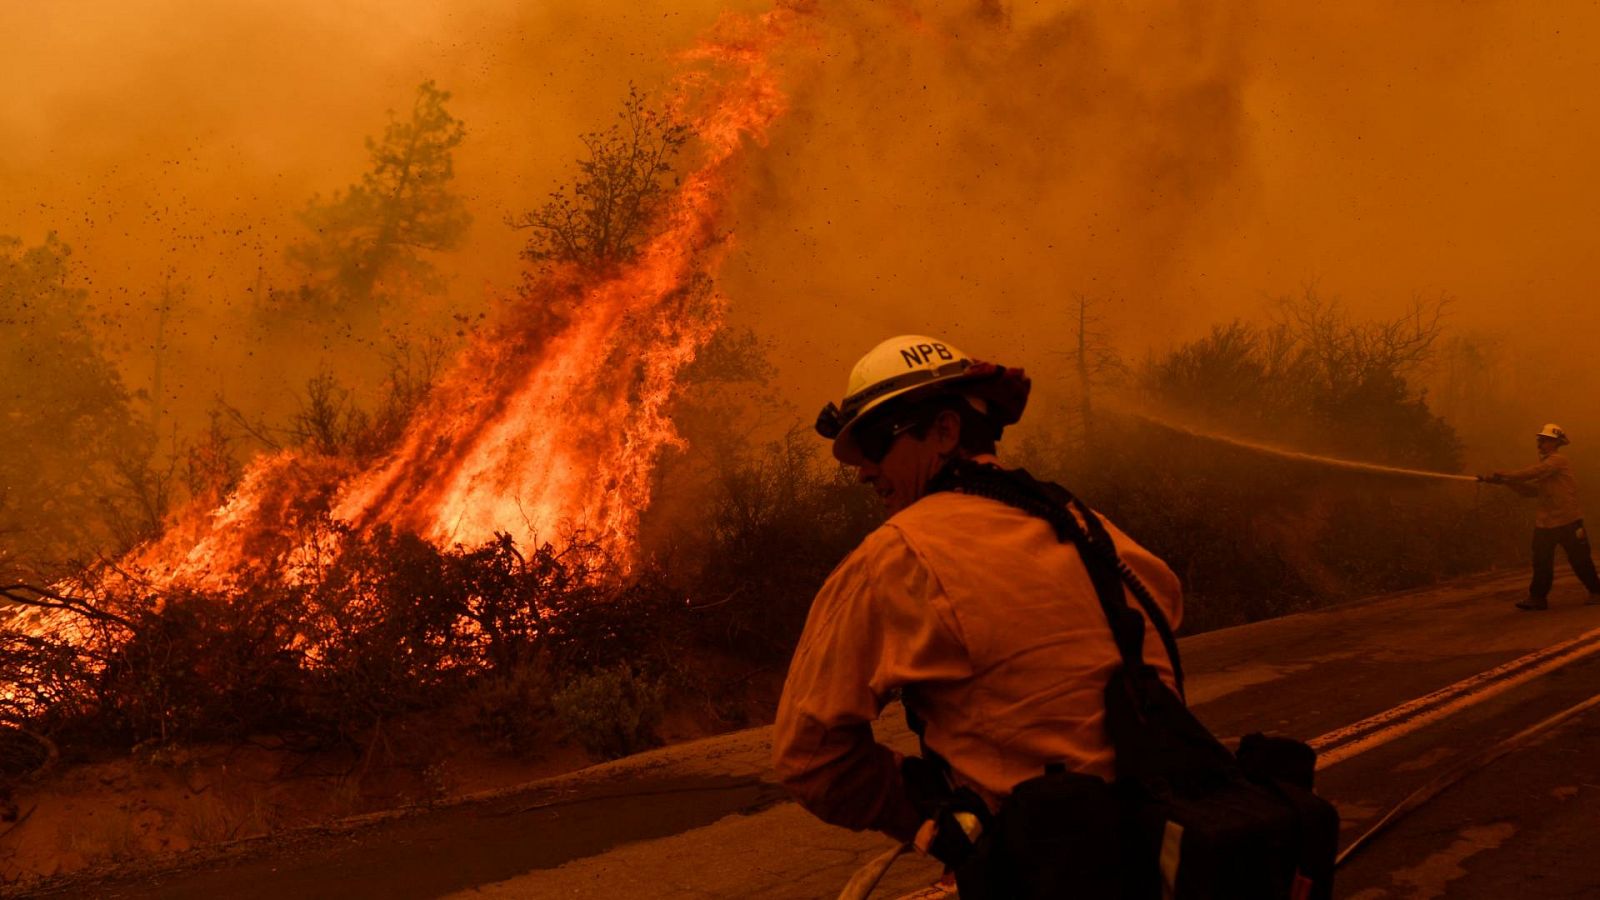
(1036,853)
(1201,823)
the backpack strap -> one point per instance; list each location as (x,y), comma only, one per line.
(1101,544)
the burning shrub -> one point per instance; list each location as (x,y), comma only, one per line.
(384,630)
(327,629)
(49,681)
(512,599)
(191,666)
(752,532)
(386,624)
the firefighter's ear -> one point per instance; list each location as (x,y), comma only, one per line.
(945,435)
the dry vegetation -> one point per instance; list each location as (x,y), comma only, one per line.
(533,648)
(528,648)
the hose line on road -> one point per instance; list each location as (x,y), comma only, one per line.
(862,883)
(1459,771)
(1374,731)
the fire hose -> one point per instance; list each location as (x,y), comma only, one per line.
(1333,462)
(861,884)
(1459,771)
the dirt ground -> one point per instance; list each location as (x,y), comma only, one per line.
(160,801)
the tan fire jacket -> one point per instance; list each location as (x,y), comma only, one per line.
(993,628)
(1558,490)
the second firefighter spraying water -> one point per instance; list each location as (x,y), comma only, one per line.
(1558,521)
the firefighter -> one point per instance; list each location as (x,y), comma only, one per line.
(1558,521)
(971,610)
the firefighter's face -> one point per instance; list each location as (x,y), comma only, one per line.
(901,476)
(1545,445)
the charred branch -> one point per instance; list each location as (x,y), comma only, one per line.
(45,598)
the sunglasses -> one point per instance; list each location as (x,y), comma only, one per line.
(874,439)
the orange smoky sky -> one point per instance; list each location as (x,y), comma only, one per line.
(1186,163)
(957,168)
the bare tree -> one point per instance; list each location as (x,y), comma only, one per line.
(1349,352)
(173,298)
(1095,361)
(1317,375)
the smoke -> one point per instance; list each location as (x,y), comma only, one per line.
(951,166)
(966,174)
(957,171)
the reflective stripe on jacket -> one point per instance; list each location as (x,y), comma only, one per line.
(992,627)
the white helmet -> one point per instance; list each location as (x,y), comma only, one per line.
(916,365)
(1555,433)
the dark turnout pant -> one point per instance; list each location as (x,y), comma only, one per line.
(1571,538)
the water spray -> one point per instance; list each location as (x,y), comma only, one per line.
(1299,455)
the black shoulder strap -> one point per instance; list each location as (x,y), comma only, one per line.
(1102,544)
(1107,571)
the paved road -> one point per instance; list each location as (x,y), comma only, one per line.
(704,820)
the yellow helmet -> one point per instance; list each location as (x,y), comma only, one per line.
(916,365)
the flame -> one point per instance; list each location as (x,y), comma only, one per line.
(534,431)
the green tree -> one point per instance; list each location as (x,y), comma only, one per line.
(371,239)
(623,184)
(72,433)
